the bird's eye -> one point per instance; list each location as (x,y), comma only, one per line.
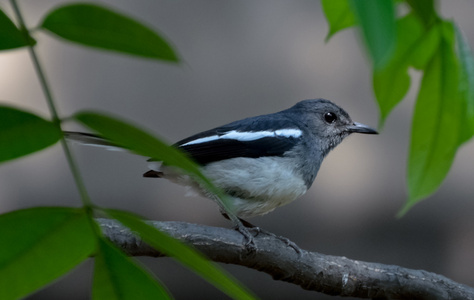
(330,117)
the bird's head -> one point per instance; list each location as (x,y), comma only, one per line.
(328,122)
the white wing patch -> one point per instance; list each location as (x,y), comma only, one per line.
(245,136)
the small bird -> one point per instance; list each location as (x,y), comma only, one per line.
(261,162)
(267,161)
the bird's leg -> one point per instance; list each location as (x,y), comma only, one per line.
(259,230)
(240,227)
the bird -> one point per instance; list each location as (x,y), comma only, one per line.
(261,162)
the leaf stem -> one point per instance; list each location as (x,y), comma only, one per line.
(52,108)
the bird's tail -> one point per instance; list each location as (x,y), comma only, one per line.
(89,139)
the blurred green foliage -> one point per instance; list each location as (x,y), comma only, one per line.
(444,113)
(41,244)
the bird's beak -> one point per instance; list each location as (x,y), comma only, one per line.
(361,128)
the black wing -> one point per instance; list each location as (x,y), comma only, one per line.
(220,149)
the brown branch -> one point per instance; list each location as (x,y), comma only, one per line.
(312,271)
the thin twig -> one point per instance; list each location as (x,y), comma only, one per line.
(52,107)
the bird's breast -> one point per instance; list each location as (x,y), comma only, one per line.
(257,185)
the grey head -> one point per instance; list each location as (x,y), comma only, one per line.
(328,123)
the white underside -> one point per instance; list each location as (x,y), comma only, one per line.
(269,182)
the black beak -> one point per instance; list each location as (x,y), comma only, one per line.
(361,128)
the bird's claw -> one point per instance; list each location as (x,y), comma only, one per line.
(248,237)
(285,240)
(290,244)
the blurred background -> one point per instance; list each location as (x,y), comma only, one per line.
(240,59)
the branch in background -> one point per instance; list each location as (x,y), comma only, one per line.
(312,271)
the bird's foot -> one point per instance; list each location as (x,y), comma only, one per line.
(248,237)
(285,240)
(242,227)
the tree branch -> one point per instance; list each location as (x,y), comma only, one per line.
(312,271)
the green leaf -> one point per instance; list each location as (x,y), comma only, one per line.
(377,20)
(117,276)
(390,87)
(22,133)
(39,245)
(414,47)
(134,139)
(425,47)
(436,123)
(10,36)
(100,27)
(143,143)
(466,85)
(338,14)
(424,10)
(183,253)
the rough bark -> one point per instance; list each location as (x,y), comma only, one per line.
(312,271)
